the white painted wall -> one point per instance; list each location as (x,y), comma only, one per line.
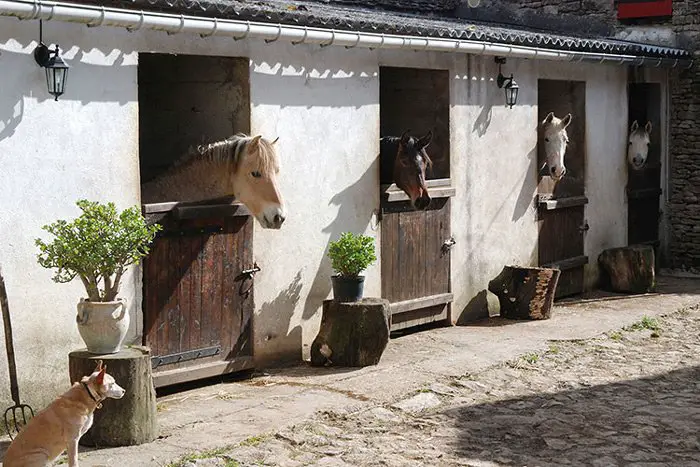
(324,106)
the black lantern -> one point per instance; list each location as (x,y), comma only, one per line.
(510,87)
(56,68)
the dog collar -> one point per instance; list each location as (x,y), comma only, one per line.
(97,401)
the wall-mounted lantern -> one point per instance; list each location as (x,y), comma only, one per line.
(510,87)
(56,68)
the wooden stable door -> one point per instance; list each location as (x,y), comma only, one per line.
(644,185)
(561,205)
(198,292)
(415,260)
(415,245)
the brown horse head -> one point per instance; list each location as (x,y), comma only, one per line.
(409,168)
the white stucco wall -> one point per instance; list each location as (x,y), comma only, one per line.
(324,106)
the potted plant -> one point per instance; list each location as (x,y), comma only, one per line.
(350,255)
(97,247)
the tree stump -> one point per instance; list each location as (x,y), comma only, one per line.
(127,421)
(628,269)
(524,292)
(352,333)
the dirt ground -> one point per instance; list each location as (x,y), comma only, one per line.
(631,397)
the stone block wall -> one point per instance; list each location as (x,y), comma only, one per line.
(684,184)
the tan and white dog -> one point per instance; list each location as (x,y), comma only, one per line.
(61,425)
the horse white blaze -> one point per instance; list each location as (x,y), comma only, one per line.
(555,141)
(638,145)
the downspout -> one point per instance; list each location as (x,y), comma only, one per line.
(134,20)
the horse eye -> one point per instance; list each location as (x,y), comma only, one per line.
(256,174)
(546,140)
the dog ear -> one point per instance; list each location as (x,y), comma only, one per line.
(100,376)
(99,365)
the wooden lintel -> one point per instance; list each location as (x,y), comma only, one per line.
(191,373)
(423,302)
(560,203)
(566,264)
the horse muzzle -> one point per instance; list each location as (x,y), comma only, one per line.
(273,218)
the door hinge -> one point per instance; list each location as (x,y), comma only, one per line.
(584,227)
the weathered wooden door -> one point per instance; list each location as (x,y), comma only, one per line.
(561,205)
(644,185)
(415,258)
(198,292)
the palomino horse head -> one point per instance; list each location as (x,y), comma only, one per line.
(555,141)
(252,165)
(409,168)
(638,145)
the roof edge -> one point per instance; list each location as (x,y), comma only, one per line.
(206,26)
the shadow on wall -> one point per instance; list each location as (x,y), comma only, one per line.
(348,218)
(276,316)
(23,78)
(322,91)
(527,191)
(483,120)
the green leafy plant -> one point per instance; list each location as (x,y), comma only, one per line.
(351,254)
(97,246)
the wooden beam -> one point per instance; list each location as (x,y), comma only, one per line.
(569,263)
(394,196)
(419,317)
(206,370)
(193,210)
(423,302)
(561,203)
(434,183)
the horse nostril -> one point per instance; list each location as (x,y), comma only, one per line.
(278,219)
(553,169)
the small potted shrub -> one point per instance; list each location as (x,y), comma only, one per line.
(98,247)
(350,255)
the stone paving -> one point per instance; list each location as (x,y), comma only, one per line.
(631,397)
(568,390)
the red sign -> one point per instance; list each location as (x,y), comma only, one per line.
(643,8)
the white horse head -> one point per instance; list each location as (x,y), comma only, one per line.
(555,141)
(638,145)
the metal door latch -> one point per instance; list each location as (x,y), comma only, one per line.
(250,273)
(584,227)
(448,244)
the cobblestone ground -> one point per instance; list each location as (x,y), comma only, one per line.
(628,398)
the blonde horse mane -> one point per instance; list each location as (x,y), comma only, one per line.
(230,150)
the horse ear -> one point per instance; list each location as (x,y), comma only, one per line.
(405,137)
(256,140)
(566,121)
(548,118)
(634,126)
(425,140)
(276,139)
(647,127)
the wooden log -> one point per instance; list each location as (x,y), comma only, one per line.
(628,269)
(132,419)
(525,292)
(352,334)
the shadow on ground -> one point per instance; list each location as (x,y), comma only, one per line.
(649,421)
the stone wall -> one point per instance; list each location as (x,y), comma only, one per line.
(684,174)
